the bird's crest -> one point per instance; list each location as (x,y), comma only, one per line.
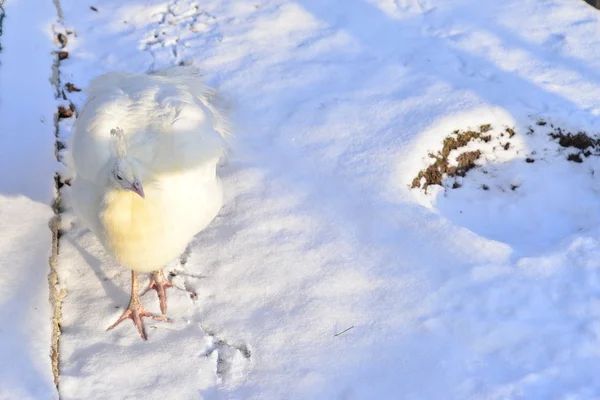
(121,145)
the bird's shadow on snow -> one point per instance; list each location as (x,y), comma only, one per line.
(112,291)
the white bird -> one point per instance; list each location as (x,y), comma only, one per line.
(145,151)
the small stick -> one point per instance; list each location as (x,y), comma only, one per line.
(344,331)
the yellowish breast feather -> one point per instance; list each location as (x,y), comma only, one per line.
(134,230)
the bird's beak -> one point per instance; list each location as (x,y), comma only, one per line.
(137,187)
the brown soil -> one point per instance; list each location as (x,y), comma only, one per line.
(485,128)
(64,112)
(440,167)
(580,140)
(434,173)
(62,40)
(466,162)
(71,88)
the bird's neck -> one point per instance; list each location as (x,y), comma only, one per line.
(124,212)
(121,203)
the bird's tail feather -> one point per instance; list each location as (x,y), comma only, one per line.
(190,77)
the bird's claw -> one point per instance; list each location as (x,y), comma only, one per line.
(160,283)
(136,313)
(161,287)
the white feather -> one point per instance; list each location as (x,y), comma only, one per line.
(176,135)
(168,121)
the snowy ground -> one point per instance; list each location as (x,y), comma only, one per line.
(465,293)
(27,163)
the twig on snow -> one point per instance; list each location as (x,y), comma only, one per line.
(344,331)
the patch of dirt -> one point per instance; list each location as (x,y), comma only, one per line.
(580,140)
(466,162)
(71,88)
(581,143)
(440,168)
(62,40)
(64,112)
(587,144)
(485,128)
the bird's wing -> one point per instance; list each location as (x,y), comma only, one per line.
(169,122)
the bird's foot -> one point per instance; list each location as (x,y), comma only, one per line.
(160,283)
(136,312)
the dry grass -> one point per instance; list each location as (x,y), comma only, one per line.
(441,167)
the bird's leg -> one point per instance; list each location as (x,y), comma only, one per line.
(160,283)
(136,311)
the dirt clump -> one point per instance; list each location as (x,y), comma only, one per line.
(64,112)
(62,40)
(580,140)
(586,144)
(442,166)
(71,88)
(434,173)
(466,162)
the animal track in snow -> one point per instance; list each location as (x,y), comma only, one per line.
(555,41)
(182,24)
(418,6)
(232,362)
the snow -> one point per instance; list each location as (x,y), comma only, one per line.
(325,276)
(27,163)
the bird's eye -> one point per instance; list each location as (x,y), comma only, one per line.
(119,177)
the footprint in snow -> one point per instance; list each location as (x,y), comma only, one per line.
(555,41)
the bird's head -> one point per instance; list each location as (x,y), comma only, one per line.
(124,174)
